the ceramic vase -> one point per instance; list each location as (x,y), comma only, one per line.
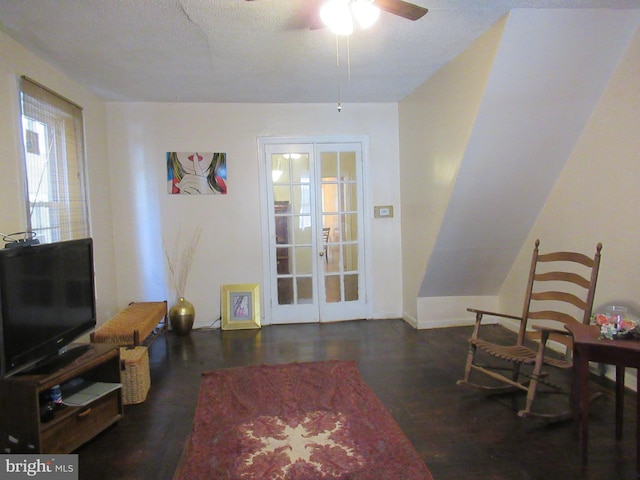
(181,316)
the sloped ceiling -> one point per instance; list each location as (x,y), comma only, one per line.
(549,72)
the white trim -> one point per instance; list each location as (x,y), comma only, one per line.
(439,312)
(410,319)
(262,142)
(264,228)
(367,205)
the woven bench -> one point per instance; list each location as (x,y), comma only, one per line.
(140,323)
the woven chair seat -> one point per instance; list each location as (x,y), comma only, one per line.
(511,353)
(517,354)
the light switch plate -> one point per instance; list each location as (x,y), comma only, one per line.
(383,211)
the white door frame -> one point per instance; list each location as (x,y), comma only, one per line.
(267,294)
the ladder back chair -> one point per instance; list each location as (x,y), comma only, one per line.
(560,291)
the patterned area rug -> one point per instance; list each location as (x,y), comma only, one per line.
(295,422)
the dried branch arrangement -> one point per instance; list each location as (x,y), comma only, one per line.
(180,265)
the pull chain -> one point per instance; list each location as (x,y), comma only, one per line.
(338,67)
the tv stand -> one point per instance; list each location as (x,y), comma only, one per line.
(55,362)
(28,426)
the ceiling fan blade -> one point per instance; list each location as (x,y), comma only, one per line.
(403,9)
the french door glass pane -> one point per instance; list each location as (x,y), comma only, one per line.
(350,202)
(290,174)
(283,255)
(280,169)
(303,260)
(350,227)
(301,201)
(285,291)
(330,197)
(350,257)
(333,259)
(348,166)
(332,288)
(300,168)
(329,168)
(302,229)
(305,289)
(350,288)
(281,194)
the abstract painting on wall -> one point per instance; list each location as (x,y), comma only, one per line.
(197,173)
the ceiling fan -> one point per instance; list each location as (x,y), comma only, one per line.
(403,9)
(400,8)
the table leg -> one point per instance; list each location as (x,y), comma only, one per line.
(620,369)
(583,403)
(638,424)
(574,397)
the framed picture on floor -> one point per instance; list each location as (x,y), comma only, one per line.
(240,306)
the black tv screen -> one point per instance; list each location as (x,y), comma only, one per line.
(47,300)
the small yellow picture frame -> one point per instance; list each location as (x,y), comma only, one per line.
(240,306)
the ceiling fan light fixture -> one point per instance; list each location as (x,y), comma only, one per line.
(336,15)
(365,12)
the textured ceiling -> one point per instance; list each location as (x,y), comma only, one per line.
(259,51)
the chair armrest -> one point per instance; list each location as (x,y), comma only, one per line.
(493,314)
(543,329)
(480,315)
(546,333)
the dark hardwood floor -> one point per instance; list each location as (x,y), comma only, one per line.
(459,433)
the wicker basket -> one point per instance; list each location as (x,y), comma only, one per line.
(135,377)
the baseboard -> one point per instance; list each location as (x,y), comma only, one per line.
(443,312)
(410,319)
(454,322)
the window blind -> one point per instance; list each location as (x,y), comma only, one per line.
(53,143)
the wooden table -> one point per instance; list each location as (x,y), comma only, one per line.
(588,347)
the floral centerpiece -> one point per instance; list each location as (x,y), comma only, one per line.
(616,324)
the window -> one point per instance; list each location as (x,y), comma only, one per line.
(53,142)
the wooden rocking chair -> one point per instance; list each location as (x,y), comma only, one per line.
(560,290)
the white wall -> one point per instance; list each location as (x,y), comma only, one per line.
(230,249)
(596,197)
(435,123)
(536,104)
(14,62)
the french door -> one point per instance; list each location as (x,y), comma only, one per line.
(314,205)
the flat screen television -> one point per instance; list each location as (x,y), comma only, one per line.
(47,300)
